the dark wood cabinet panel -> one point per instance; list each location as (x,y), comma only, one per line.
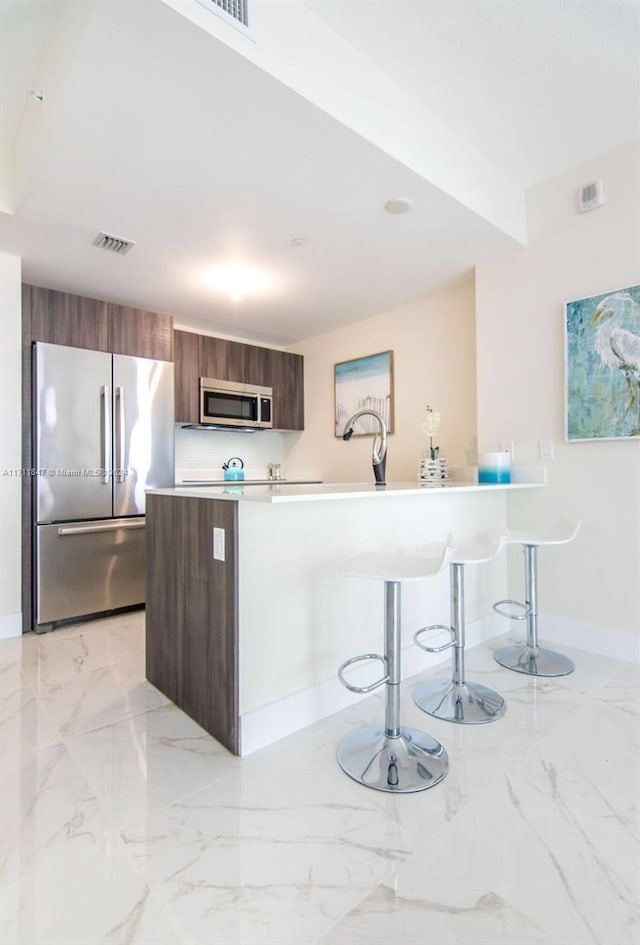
(186,355)
(140,334)
(287,380)
(27,461)
(256,365)
(192,611)
(64,319)
(220,359)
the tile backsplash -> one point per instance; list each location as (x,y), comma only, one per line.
(202,452)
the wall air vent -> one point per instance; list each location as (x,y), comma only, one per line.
(237,13)
(115,244)
(591,196)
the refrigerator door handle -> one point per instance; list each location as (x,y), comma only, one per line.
(120,435)
(106,434)
(90,529)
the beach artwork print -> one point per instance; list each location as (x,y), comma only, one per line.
(603,366)
(364,384)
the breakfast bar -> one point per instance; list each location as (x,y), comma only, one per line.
(248,616)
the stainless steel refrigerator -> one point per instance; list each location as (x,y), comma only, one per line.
(103,435)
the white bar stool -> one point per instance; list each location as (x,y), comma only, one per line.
(532,658)
(457,699)
(391,757)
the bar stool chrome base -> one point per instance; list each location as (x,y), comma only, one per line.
(400,764)
(466,702)
(533,660)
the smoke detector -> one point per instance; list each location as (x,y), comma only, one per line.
(115,244)
(591,196)
(397,205)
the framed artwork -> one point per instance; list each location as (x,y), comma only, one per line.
(364,384)
(602,366)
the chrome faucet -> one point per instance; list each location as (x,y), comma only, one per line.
(379,446)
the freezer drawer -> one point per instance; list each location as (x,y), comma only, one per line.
(89,567)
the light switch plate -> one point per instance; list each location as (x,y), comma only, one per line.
(545,450)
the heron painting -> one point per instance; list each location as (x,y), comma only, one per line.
(603,366)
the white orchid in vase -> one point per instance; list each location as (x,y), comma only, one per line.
(430,428)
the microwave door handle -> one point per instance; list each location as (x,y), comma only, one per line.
(106,433)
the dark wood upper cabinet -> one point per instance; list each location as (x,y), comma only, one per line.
(219,359)
(256,365)
(139,333)
(287,380)
(63,319)
(186,354)
(199,356)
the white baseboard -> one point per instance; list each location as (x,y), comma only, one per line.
(286,716)
(594,638)
(10,626)
(270,723)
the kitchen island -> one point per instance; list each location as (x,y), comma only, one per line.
(248,616)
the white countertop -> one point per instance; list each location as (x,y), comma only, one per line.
(315,492)
(188,483)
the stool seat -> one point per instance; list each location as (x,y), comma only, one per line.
(561,533)
(396,566)
(531,658)
(479,551)
(457,699)
(392,757)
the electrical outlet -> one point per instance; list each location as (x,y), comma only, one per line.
(545,450)
(218,544)
(506,446)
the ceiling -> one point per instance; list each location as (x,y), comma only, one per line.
(157,131)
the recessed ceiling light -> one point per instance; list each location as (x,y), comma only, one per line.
(298,241)
(397,205)
(237,280)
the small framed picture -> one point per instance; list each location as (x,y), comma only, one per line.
(364,384)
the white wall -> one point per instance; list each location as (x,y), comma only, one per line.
(433,344)
(10,444)
(295,47)
(592,583)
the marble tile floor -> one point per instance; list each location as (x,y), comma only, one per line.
(123,822)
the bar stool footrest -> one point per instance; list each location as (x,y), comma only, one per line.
(499,605)
(431,629)
(362,659)
(399,764)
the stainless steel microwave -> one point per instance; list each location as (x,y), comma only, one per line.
(227,404)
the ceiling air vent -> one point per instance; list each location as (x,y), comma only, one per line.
(115,244)
(235,12)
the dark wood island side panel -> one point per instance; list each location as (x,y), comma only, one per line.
(192,611)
